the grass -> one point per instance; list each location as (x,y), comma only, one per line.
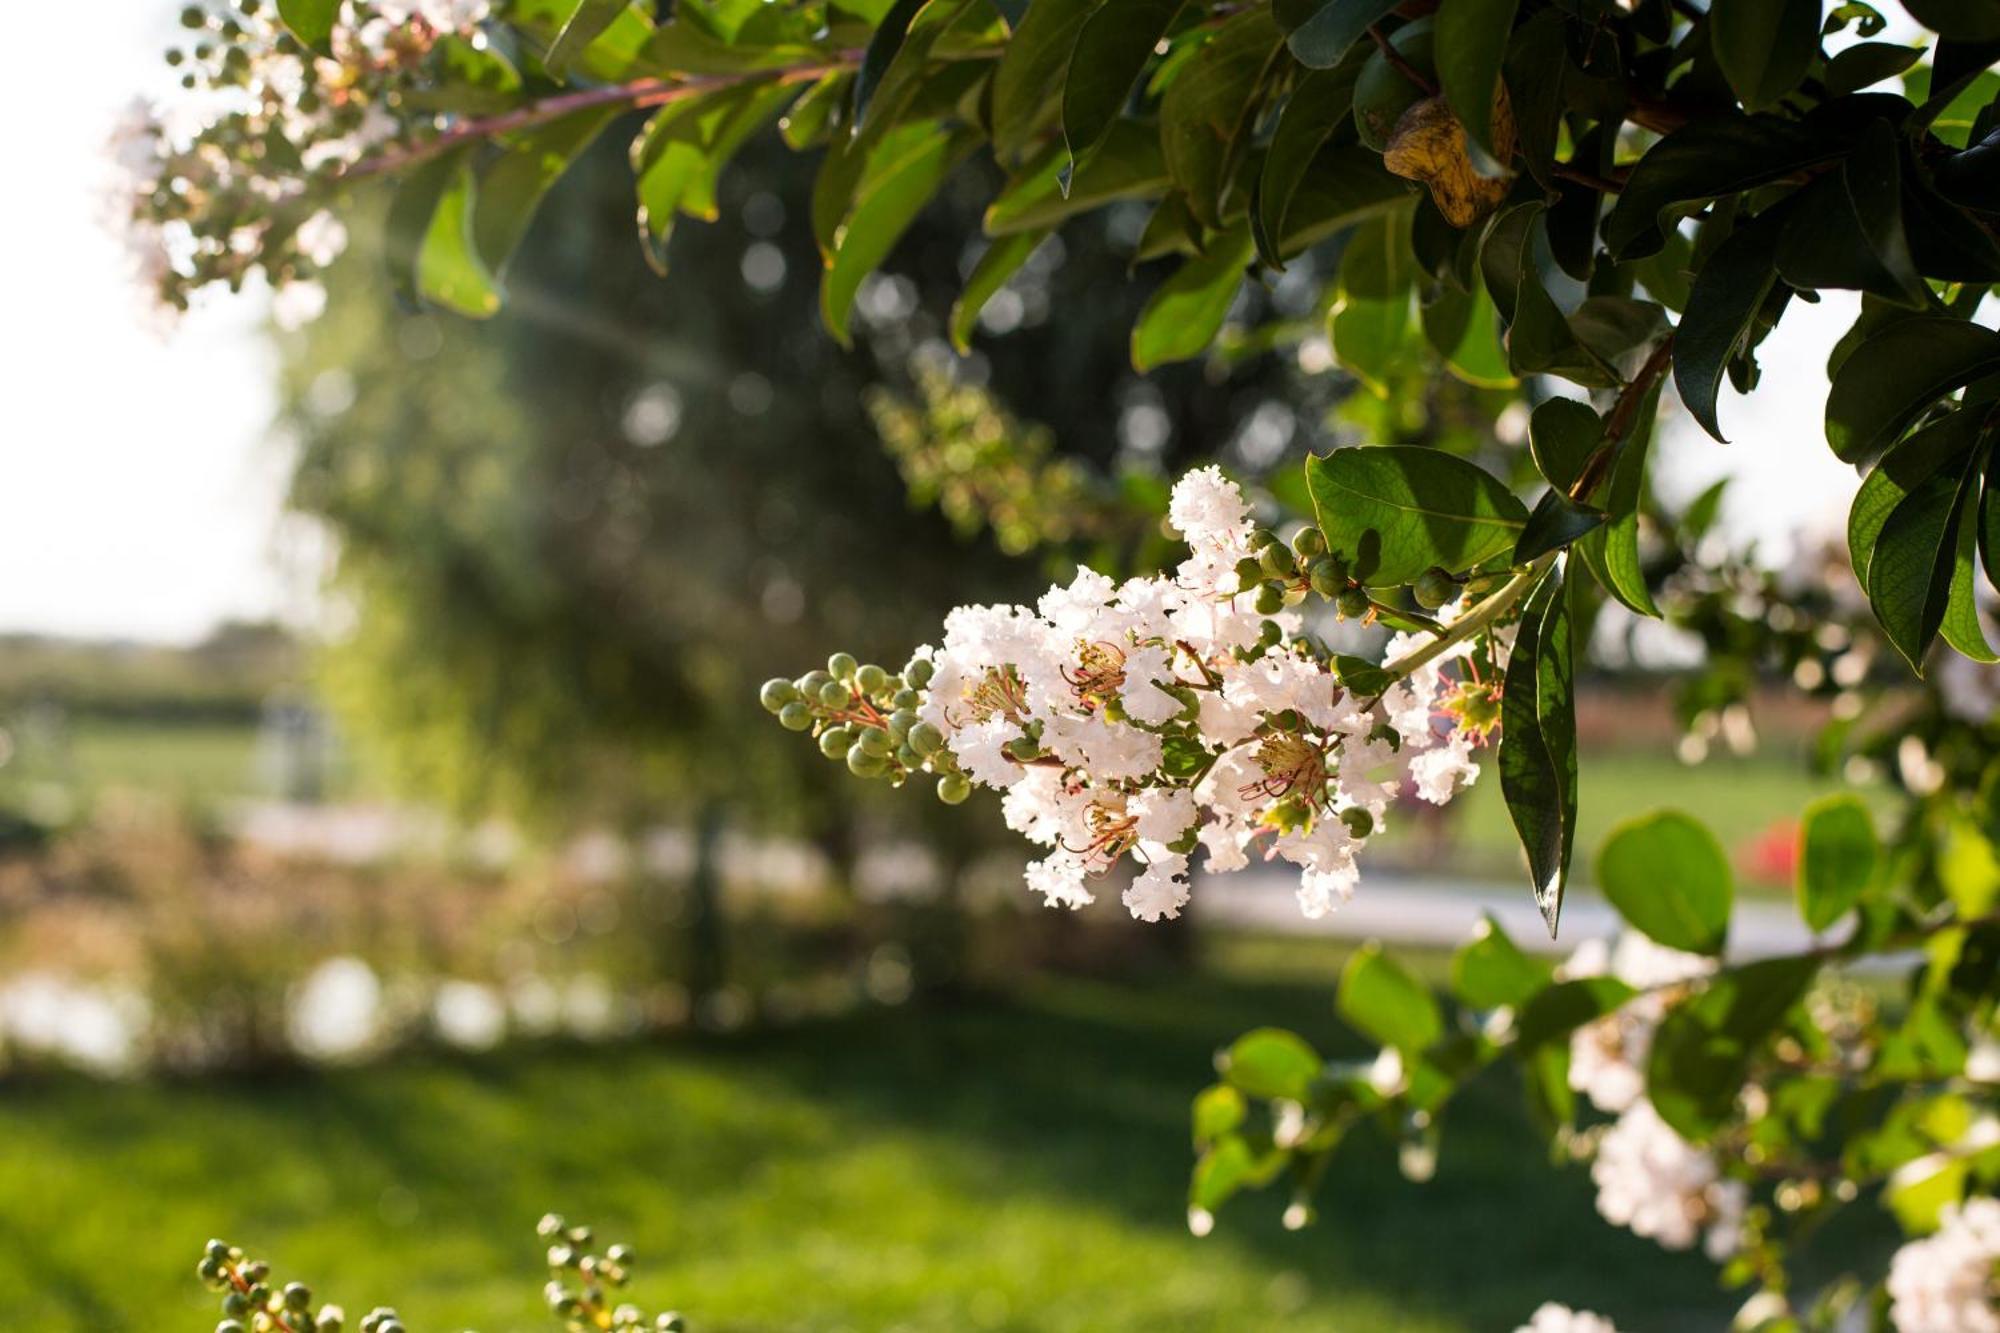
(1014,1165)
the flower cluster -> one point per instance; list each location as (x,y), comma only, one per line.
(1949,1282)
(1654,1181)
(1163,714)
(234,182)
(1607,1058)
(1550,1317)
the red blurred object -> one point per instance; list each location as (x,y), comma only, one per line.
(1772,857)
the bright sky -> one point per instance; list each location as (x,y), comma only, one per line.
(139,487)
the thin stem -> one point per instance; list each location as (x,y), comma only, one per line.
(1400,63)
(1619,424)
(1482,614)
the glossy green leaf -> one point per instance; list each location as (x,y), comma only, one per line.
(1558,1010)
(1469,46)
(1764,47)
(1380,999)
(883,46)
(1320,32)
(1614,549)
(1209,113)
(1722,307)
(680,156)
(1897,373)
(1555,522)
(1839,855)
(512,185)
(1490,970)
(1910,569)
(1129,166)
(1944,445)
(1867,63)
(1695,1070)
(1961,626)
(904,171)
(1346,185)
(1964,20)
(1271,1062)
(1846,228)
(1028,83)
(1668,877)
(586,23)
(1562,434)
(311,21)
(1706,159)
(1319,105)
(430,245)
(1395,511)
(1112,50)
(1183,316)
(1464,329)
(1001,261)
(1538,740)
(1218,1110)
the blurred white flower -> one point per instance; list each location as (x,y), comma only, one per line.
(468,1015)
(297,304)
(336,1012)
(1655,1182)
(1946,1283)
(1554,1318)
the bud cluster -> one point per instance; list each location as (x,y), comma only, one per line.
(235,181)
(580,1282)
(1167,713)
(251,1303)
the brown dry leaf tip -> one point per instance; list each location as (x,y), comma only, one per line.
(1429,146)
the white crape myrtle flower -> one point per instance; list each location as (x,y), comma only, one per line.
(1165,715)
(1949,1282)
(1550,1317)
(297,304)
(322,237)
(1607,1057)
(1655,1182)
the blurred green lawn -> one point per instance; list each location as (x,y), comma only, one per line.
(990,1164)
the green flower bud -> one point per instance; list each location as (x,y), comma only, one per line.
(900,723)
(1261,538)
(811,683)
(834,741)
(193,16)
(908,758)
(330,1319)
(1249,570)
(918,672)
(862,764)
(218,1250)
(1359,822)
(905,698)
(550,1226)
(873,741)
(871,679)
(834,695)
(1327,576)
(1268,635)
(795,717)
(1277,562)
(1270,598)
(670,1322)
(230,1326)
(1434,588)
(1024,748)
(776,693)
(953,788)
(840,666)
(297,1296)
(1308,542)
(619,1254)
(926,739)
(1354,603)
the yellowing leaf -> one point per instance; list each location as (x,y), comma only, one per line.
(1428,145)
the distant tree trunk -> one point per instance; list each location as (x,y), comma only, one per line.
(708,929)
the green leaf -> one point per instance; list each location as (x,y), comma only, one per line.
(1708,158)
(1362,676)
(430,243)
(1558,1010)
(1867,63)
(1395,511)
(1614,549)
(1490,970)
(1464,329)
(623,51)
(903,172)
(1110,54)
(1027,85)
(1319,105)
(883,45)
(1989,519)
(1722,308)
(1319,34)
(1945,444)
(1961,20)
(1838,858)
(1538,740)
(1185,313)
(512,185)
(1764,47)
(1271,1062)
(1346,185)
(585,24)
(1470,45)
(1218,1110)
(1210,111)
(1371,325)
(1702,1049)
(1380,999)
(1845,229)
(1961,626)
(1898,372)
(1667,875)
(680,156)
(1001,261)
(311,21)
(1555,522)
(1562,433)
(1129,166)
(1910,570)
(1539,338)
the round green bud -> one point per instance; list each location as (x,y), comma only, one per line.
(905,698)
(811,683)
(209,1270)
(900,723)
(1277,562)
(1249,570)
(1261,538)
(193,16)
(795,717)
(670,1323)
(918,673)
(550,1226)
(257,1271)
(297,1295)
(874,741)
(230,1326)
(1354,603)
(1359,822)
(953,788)
(777,692)
(1270,598)
(330,1320)
(926,739)
(862,764)
(908,758)
(1269,633)
(619,1254)
(1024,748)
(834,695)
(834,741)
(870,679)
(1434,588)
(235,1304)
(1327,577)
(1308,543)
(840,666)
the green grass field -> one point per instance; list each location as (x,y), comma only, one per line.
(995,1164)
